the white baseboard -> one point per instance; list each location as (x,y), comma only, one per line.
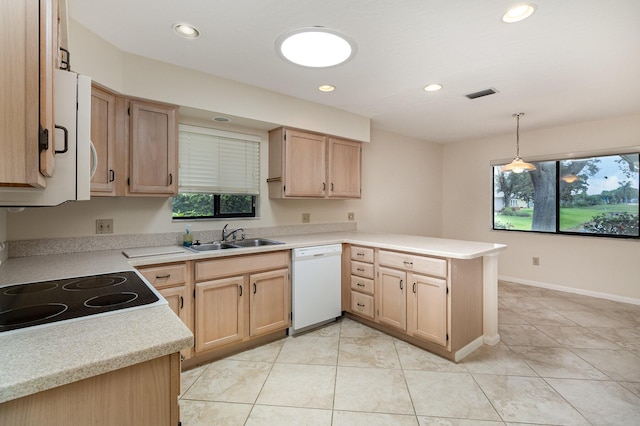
(607,296)
(466,350)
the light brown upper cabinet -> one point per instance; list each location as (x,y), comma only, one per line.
(310,165)
(136,141)
(29,49)
(103,136)
(153,148)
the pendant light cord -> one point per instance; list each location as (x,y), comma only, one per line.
(517,116)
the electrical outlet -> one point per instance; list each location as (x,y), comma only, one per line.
(104,226)
(351,216)
(536,261)
(306,217)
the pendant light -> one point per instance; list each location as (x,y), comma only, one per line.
(518,165)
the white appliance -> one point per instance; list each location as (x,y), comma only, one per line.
(316,286)
(72,177)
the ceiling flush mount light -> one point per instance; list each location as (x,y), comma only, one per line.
(315,47)
(518,165)
(518,13)
(326,88)
(186,31)
(432,87)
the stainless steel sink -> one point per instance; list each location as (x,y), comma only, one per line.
(255,242)
(219,245)
(211,246)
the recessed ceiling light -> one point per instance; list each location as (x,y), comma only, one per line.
(432,87)
(518,13)
(220,119)
(186,31)
(315,47)
(326,88)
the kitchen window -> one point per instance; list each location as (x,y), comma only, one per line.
(218,176)
(592,195)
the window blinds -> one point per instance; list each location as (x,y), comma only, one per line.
(218,162)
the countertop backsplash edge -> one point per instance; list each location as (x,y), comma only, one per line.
(24,248)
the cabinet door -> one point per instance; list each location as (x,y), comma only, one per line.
(392,297)
(153,144)
(270,302)
(103,136)
(220,312)
(428,308)
(344,168)
(20,84)
(304,164)
(176,298)
(48,61)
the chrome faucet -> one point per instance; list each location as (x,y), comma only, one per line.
(226,235)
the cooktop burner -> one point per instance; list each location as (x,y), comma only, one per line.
(31,304)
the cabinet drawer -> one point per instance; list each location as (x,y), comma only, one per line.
(362,269)
(165,275)
(364,285)
(422,264)
(362,304)
(238,265)
(363,254)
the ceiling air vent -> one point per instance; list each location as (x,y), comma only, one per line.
(482,93)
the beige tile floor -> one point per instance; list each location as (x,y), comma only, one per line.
(563,359)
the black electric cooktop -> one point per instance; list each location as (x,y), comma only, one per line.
(31,304)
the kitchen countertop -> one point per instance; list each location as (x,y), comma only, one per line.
(34,360)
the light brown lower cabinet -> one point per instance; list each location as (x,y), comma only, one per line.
(173,282)
(144,394)
(427,308)
(240,298)
(434,303)
(392,297)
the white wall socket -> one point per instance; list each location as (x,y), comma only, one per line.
(306,217)
(104,226)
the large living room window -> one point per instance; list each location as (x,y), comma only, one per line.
(218,176)
(591,195)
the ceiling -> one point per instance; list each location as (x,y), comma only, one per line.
(572,61)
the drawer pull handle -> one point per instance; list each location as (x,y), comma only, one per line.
(414,287)
(181,302)
(401,284)
(240,287)
(361,305)
(360,285)
(360,269)
(159,277)
(408,264)
(359,254)
(255,288)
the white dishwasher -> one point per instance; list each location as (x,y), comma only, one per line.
(315,286)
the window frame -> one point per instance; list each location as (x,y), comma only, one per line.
(635,150)
(215,202)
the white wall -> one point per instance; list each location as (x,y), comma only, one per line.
(587,264)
